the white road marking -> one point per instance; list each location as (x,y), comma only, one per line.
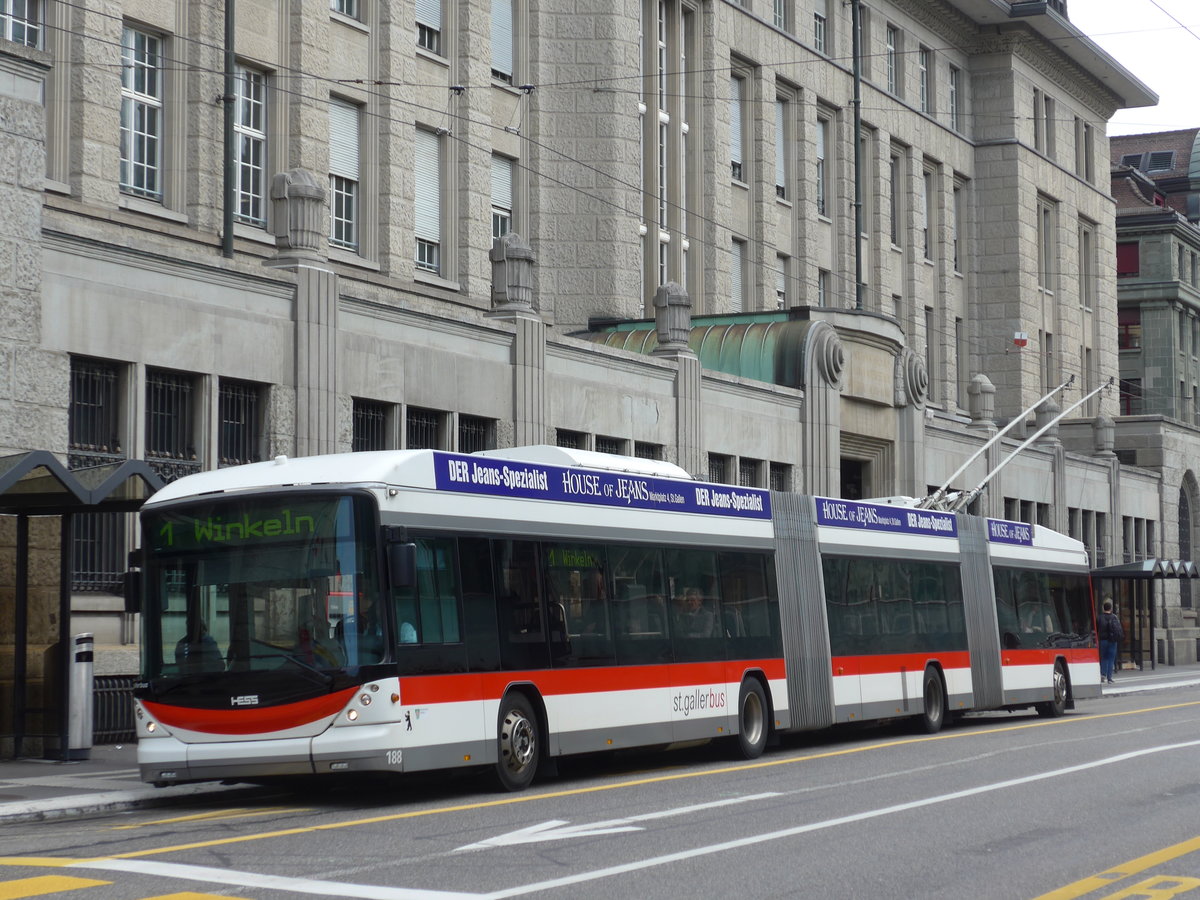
(557,829)
(379,892)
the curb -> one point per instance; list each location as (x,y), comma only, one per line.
(49,808)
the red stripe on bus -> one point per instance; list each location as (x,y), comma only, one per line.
(418,690)
(1047,655)
(250,720)
(895,663)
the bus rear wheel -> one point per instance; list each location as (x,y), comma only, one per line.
(752,719)
(1057,706)
(518,743)
(934,714)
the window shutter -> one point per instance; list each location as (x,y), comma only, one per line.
(343,139)
(429,12)
(738,285)
(502,36)
(502,173)
(428,187)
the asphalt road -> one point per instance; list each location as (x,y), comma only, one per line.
(1101,803)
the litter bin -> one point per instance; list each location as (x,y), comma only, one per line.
(79,722)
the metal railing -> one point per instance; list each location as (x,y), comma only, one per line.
(112,709)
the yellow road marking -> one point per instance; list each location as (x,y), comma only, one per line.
(218,814)
(1124,870)
(54,862)
(43,885)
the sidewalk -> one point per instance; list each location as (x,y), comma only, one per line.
(34,790)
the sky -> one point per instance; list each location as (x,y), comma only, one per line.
(1158,41)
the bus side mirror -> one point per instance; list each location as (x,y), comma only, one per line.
(402,564)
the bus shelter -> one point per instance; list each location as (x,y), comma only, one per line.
(39,498)
(1132,588)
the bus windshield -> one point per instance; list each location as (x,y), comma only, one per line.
(262,584)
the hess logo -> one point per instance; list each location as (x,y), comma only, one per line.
(244,700)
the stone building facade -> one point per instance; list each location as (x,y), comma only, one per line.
(700,153)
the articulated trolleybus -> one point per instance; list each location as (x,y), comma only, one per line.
(413,610)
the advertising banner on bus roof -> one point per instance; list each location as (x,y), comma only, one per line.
(880,517)
(537,481)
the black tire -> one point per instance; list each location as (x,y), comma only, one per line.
(518,743)
(1052,709)
(933,713)
(753,724)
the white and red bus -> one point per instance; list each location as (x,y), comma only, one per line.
(417,610)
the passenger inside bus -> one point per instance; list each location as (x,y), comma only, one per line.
(197,650)
(696,619)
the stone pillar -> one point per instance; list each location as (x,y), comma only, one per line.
(673,324)
(824,363)
(512,300)
(912,390)
(981,404)
(299,217)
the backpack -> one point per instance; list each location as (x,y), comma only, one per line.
(1110,628)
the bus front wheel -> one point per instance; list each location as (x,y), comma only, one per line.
(518,743)
(752,719)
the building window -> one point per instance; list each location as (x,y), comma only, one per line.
(821,186)
(1047,238)
(748,471)
(781,281)
(428,197)
(718,468)
(820,33)
(736,111)
(1130,396)
(895,201)
(892,57)
(615,446)
(141,114)
(1087,265)
(780,14)
(345,7)
(343,174)
(571,440)
(422,429)
(93,436)
(930,349)
(250,129)
(1084,151)
(239,424)
(928,210)
(20,22)
(370,426)
(781,149)
(644,450)
(823,287)
(1128,261)
(1048,114)
(780,477)
(502,204)
(475,433)
(429,25)
(956,239)
(1129,328)
(737,279)
(170,424)
(924,65)
(502,40)
(954,100)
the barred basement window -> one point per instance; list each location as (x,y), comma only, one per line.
(239,438)
(610,445)
(423,429)
(781,477)
(643,450)
(93,439)
(170,424)
(748,470)
(474,434)
(571,440)
(370,425)
(718,468)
